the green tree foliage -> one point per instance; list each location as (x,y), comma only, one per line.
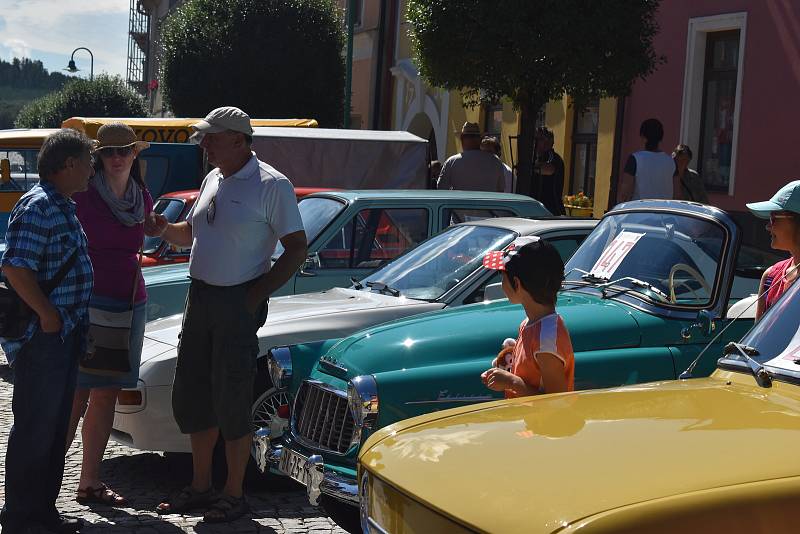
(22,80)
(532,51)
(105,96)
(272,58)
(29,74)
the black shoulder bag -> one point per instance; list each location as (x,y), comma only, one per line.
(15,314)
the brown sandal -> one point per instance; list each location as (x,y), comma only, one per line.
(100,495)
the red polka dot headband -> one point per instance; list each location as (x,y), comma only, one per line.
(497,259)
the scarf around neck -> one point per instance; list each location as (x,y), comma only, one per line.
(129,210)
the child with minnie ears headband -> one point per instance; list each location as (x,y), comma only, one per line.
(541,359)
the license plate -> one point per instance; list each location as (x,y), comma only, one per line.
(292,464)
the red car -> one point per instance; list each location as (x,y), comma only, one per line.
(175,207)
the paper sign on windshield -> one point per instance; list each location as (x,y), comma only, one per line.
(612,256)
(787,358)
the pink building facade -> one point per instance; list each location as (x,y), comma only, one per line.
(730,89)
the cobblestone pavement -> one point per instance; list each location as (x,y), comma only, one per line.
(278,506)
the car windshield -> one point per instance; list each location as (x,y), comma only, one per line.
(170,208)
(316,213)
(776,336)
(669,258)
(438,264)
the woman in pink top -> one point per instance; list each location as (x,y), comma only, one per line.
(112,213)
(783,212)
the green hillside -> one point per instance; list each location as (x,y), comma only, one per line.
(23,80)
(11,101)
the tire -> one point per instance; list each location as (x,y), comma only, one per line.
(344,515)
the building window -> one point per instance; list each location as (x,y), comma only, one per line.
(712,96)
(493,120)
(584,148)
(358,11)
(719,101)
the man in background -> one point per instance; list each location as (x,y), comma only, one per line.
(472,169)
(492,145)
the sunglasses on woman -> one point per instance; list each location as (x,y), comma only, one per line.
(109,151)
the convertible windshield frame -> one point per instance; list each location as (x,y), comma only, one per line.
(718,299)
(783,313)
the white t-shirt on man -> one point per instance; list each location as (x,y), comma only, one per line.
(253,209)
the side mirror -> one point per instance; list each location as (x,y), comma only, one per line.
(310,265)
(705,323)
(5,170)
(312,261)
(494,292)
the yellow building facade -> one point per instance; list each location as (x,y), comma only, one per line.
(438,115)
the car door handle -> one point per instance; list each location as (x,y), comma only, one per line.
(307,273)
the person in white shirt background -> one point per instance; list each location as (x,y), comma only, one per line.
(648,173)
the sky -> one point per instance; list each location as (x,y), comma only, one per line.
(49,30)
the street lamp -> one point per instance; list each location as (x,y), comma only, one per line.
(71,66)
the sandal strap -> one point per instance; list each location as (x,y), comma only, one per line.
(101,493)
(188,496)
(227,502)
(227,508)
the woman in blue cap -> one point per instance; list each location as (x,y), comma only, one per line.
(783,212)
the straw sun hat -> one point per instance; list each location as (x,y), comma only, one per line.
(118,135)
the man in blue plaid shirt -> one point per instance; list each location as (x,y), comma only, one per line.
(42,234)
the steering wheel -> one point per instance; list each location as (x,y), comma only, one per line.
(693,273)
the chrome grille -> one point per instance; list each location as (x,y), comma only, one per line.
(322,419)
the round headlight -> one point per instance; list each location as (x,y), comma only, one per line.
(279,364)
(362,397)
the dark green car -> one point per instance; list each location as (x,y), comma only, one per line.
(645,292)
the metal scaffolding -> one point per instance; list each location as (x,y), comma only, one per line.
(138,47)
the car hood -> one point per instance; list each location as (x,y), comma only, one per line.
(478,330)
(589,452)
(300,314)
(336,300)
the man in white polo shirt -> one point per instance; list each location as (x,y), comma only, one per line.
(244,208)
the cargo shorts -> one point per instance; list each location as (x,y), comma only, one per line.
(216,365)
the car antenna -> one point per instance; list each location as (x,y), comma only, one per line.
(688,372)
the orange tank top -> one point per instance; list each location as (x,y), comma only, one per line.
(548,334)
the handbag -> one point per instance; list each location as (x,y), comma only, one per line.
(15,314)
(109,339)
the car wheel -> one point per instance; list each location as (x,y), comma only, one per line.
(345,515)
(267,406)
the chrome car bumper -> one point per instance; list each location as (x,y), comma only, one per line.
(265,451)
(322,481)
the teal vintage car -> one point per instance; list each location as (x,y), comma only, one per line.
(352,233)
(645,292)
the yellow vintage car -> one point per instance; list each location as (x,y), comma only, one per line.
(716,454)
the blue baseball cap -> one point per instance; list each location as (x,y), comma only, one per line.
(786,199)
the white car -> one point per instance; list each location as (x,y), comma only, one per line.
(444,271)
